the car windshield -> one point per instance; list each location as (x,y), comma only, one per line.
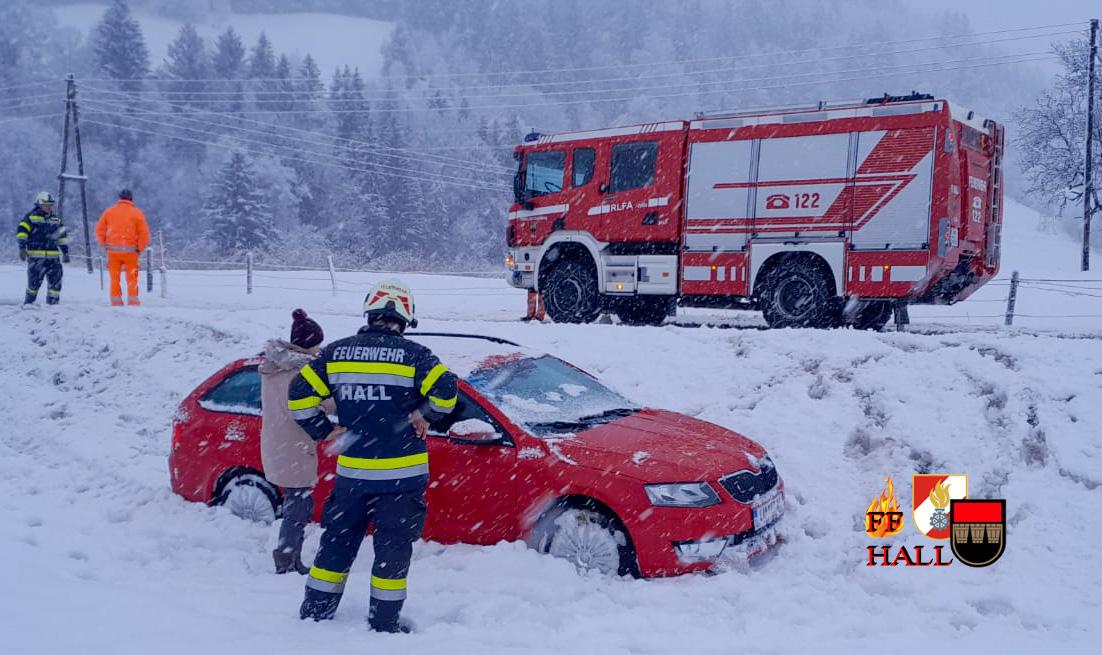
(548,396)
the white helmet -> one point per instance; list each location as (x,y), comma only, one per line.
(43,198)
(391,299)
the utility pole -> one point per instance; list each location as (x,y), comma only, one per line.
(1088,181)
(72,124)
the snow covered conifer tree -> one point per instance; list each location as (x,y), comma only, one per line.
(228,64)
(119,47)
(238,215)
(121,54)
(188,62)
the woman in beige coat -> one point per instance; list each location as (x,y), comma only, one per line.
(289,455)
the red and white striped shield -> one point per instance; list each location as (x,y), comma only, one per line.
(931,494)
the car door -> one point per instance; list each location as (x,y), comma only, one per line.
(231,424)
(472,488)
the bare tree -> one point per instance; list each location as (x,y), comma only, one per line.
(1053,132)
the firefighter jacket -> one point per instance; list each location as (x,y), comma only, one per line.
(377,378)
(42,234)
(122,228)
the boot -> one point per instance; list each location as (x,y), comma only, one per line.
(319,606)
(285,562)
(401,627)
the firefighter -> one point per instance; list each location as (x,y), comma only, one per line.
(388,390)
(44,245)
(124,234)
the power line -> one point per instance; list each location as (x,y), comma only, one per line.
(649,64)
(334,159)
(31,118)
(271,97)
(185,109)
(126,112)
(864,74)
(308,161)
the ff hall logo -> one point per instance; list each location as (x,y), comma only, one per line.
(884,519)
(979,530)
(930,497)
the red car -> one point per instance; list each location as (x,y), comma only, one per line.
(551,455)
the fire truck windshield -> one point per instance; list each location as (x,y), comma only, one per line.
(543,173)
(549,396)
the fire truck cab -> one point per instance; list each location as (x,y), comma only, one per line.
(820,215)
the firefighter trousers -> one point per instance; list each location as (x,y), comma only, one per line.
(116,262)
(352,507)
(39,268)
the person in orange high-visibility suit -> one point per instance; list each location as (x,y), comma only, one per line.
(124,234)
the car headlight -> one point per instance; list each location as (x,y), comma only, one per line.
(682,494)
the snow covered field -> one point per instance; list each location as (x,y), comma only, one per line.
(101,557)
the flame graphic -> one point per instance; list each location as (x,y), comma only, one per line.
(939,495)
(883,503)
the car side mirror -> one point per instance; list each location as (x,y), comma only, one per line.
(474,432)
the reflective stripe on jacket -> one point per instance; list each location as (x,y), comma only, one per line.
(42,234)
(377,378)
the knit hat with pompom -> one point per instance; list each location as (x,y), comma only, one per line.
(305,332)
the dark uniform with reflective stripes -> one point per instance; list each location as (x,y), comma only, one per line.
(377,378)
(43,237)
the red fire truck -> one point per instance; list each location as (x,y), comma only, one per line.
(823,215)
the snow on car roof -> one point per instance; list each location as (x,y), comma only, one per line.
(464,354)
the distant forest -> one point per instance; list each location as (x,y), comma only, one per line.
(236,146)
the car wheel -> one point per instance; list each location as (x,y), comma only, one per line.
(873,316)
(591,540)
(251,497)
(570,293)
(644,310)
(799,296)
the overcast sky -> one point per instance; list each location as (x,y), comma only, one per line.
(987,15)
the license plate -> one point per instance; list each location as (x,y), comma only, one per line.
(768,510)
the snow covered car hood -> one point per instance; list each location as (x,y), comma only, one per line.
(660,446)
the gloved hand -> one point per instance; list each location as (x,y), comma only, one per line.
(65,258)
(22,254)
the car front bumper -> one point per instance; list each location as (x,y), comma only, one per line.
(673,541)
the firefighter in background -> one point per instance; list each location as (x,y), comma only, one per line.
(388,390)
(124,234)
(44,245)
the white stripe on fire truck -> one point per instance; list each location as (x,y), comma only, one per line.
(539,211)
(908,273)
(615,131)
(608,209)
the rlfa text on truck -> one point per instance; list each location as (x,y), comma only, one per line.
(821,216)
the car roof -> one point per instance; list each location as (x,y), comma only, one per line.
(464,354)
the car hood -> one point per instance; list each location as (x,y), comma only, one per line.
(660,446)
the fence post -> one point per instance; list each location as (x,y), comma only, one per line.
(249,272)
(1012,298)
(161,240)
(332,273)
(164,282)
(149,270)
(99,261)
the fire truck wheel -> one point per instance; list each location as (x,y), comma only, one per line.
(873,316)
(570,294)
(799,296)
(645,310)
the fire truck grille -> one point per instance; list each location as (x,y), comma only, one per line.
(745,485)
